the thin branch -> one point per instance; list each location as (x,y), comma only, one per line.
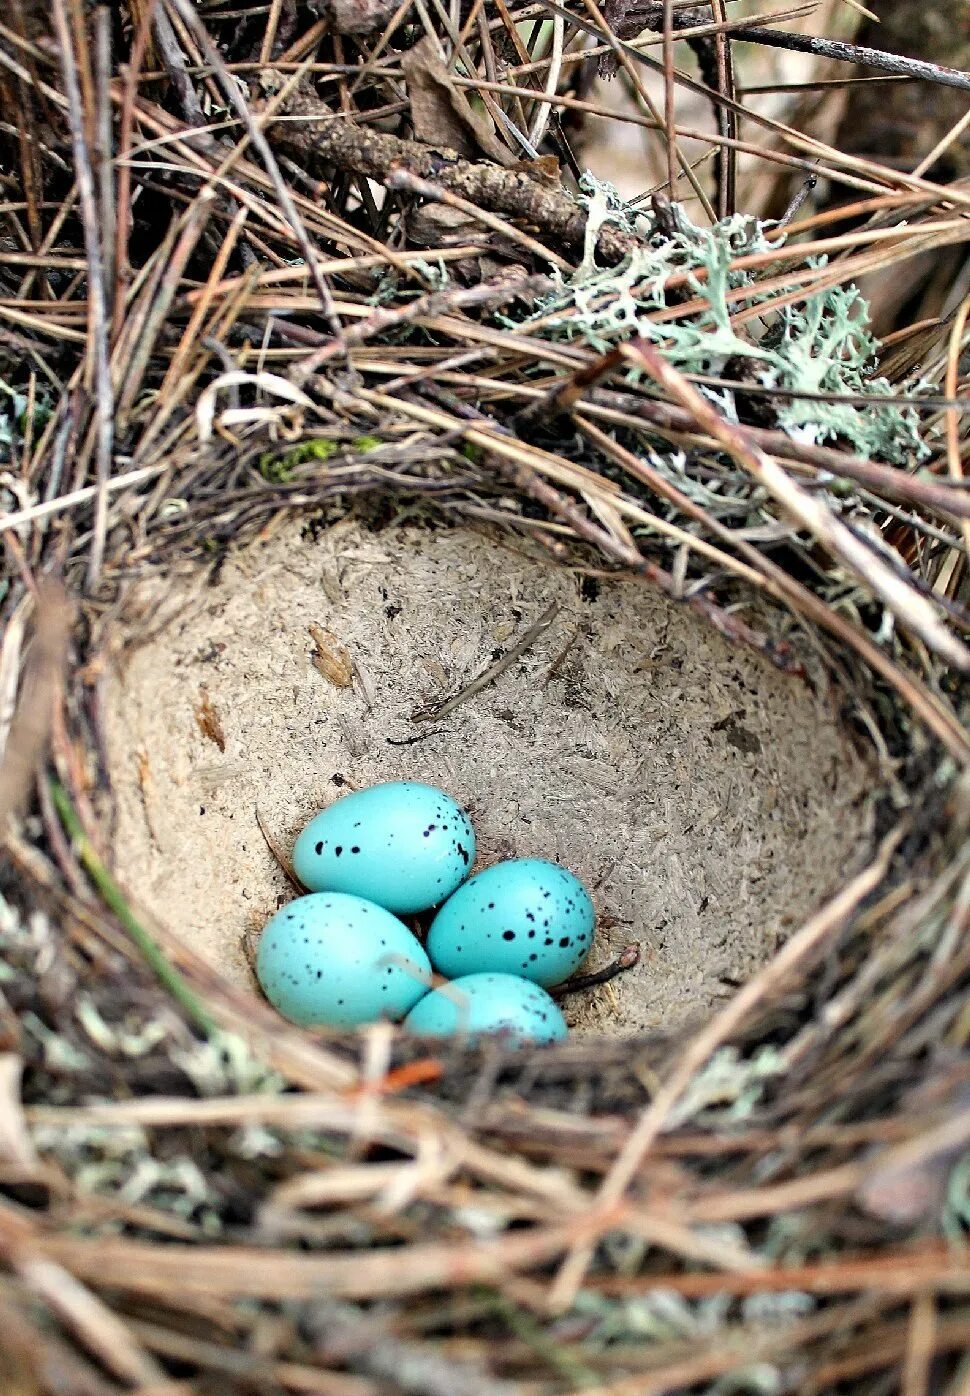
(493,671)
(628,958)
(320,137)
(97,293)
(894,63)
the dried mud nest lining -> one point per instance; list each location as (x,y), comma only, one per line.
(708,799)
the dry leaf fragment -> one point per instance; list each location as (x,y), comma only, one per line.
(43,675)
(357,16)
(545,170)
(330,658)
(208,720)
(442,114)
(907,1183)
(16,1145)
(437,225)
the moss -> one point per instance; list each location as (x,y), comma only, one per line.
(278,470)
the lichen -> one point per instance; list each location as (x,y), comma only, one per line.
(223,1064)
(117,1161)
(730,1084)
(820,345)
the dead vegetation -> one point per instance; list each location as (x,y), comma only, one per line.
(289,257)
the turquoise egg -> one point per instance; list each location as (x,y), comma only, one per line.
(525,917)
(403,845)
(488,1003)
(335,960)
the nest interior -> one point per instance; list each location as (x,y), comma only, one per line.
(303,301)
(708,799)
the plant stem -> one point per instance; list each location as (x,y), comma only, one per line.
(113,897)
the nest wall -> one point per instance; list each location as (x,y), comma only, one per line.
(294,262)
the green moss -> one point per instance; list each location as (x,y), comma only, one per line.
(278,470)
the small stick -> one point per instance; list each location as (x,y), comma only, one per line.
(855,53)
(789,214)
(279,855)
(562,656)
(628,958)
(492,672)
(400,179)
(104,402)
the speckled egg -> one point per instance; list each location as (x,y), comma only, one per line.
(335,960)
(488,1003)
(525,917)
(404,845)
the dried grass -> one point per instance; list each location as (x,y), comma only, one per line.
(232,285)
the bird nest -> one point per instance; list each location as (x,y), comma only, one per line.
(295,294)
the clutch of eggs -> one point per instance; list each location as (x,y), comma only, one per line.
(341,957)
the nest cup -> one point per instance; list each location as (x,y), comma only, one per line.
(441,506)
(708,800)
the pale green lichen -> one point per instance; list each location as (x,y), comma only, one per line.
(132,1038)
(730,1084)
(116,1161)
(224,1064)
(956,1213)
(661,1316)
(821,345)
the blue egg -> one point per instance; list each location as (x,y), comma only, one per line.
(334,960)
(525,917)
(403,845)
(488,1003)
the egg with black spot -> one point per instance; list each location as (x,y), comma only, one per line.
(478,1004)
(401,844)
(526,917)
(329,959)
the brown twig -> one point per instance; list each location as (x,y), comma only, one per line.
(628,958)
(322,138)
(276,849)
(493,672)
(97,288)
